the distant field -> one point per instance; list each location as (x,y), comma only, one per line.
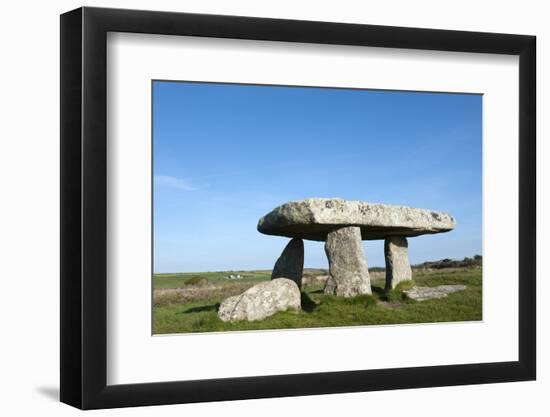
(182,279)
(188,302)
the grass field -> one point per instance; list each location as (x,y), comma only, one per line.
(188,302)
(190,278)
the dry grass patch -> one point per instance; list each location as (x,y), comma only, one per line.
(168,296)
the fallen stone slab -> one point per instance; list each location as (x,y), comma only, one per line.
(261,301)
(428,293)
(314,218)
(291,262)
(348,271)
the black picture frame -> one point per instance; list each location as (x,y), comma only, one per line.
(84,207)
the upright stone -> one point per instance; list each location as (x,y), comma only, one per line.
(348,272)
(291,262)
(398,268)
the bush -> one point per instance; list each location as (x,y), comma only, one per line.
(196,280)
(396,294)
(405,285)
(450,263)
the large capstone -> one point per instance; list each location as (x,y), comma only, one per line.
(398,268)
(291,262)
(261,301)
(348,271)
(315,218)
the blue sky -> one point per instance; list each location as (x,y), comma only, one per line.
(226,154)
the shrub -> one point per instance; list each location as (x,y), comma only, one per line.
(405,285)
(396,294)
(196,280)
(450,263)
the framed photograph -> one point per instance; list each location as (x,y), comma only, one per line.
(258,208)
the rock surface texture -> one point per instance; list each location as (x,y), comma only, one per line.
(348,272)
(428,293)
(291,262)
(314,218)
(261,301)
(398,268)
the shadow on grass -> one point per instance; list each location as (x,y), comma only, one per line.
(394,295)
(379,291)
(202,309)
(308,305)
(384,295)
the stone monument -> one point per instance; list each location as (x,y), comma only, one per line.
(342,225)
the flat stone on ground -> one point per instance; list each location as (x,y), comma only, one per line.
(428,293)
(314,218)
(261,301)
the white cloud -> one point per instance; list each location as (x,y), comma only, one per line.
(179,183)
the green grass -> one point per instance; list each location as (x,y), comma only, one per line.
(320,310)
(395,295)
(181,280)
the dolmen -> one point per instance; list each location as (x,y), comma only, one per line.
(342,225)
